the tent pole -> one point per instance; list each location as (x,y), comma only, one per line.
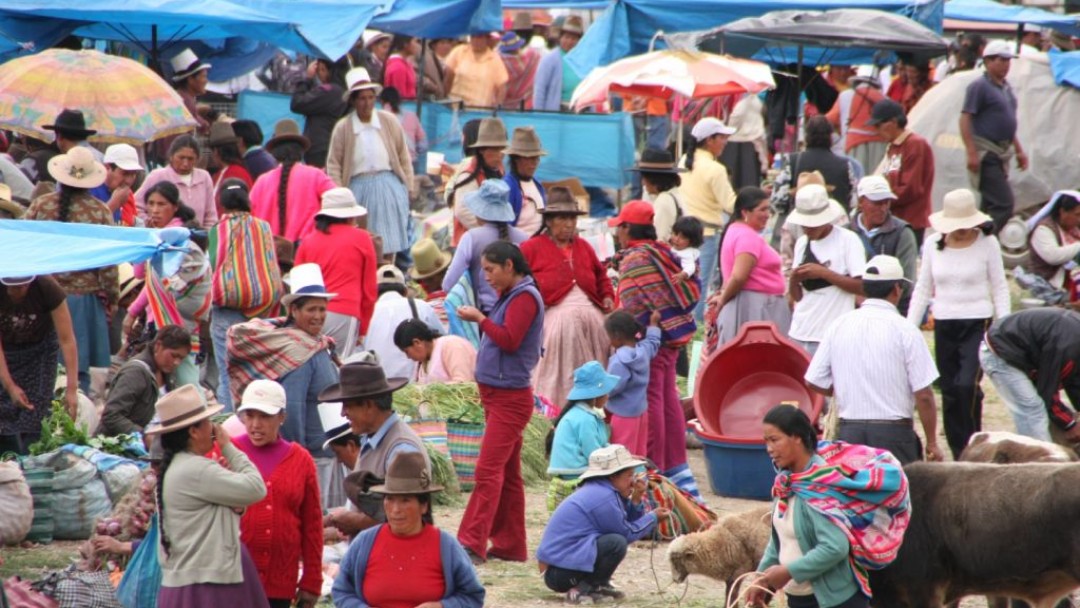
(799,90)
(420,78)
(156,65)
(1019,36)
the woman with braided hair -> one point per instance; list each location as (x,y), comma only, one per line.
(200,501)
(91,294)
(289,195)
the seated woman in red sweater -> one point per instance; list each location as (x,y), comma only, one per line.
(577,294)
(407,562)
(284,528)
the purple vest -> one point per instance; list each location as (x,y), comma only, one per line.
(498,368)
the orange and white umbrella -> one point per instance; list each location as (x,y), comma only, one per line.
(664,74)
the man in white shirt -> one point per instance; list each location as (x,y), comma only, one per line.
(826,266)
(393,307)
(880,370)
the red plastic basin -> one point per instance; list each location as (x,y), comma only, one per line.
(746,377)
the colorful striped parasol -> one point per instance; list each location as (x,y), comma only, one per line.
(122,99)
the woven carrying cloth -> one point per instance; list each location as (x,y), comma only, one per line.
(862,490)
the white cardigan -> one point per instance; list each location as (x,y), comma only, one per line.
(966,283)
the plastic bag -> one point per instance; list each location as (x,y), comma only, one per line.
(142,579)
(16,505)
(78,494)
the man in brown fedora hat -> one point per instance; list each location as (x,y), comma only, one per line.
(555,80)
(527,195)
(366,397)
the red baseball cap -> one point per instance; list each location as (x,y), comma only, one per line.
(634,212)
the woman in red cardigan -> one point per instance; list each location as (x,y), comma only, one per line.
(577,294)
(284,528)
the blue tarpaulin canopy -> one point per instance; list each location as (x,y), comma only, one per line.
(326,28)
(627,26)
(987,11)
(34,248)
(440,18)
(575,4)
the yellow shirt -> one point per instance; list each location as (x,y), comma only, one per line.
(476,78)
(706,191)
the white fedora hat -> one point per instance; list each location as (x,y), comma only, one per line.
(358,79)
(186,63)
(959,211)
(340,202)
(335,426)
(814,208)
(306,281)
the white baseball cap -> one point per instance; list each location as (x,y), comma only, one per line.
(265,396)
(123,156)
(883,268)
(875,188)
(707,127)
(999,48)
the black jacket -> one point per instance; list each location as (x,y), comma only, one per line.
(322,106)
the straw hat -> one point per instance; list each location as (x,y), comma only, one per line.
(609,460)
(340,203)
(127,279)
(492,134)
(525,142)
(221,133)
(814,208)
(370,37)
(428,259)
(77,169)
(6,204)
(560,201)
(180,409)
(491,202)
(407,474)
(358,79)
(572,25)
(959,211)
(306,281)
(185,64)
(287,130)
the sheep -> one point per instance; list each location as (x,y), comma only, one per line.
(732,547)
(999,447)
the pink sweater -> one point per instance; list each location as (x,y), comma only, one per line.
(303,196)
(199,195)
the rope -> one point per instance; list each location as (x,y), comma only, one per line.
(778,595)
(652,565)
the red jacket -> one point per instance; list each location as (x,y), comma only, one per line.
(909,167)
(286,526)
(347,259)
(555,275)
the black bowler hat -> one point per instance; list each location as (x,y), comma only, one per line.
(655,160)
(71,122)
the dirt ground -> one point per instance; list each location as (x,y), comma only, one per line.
(645,575)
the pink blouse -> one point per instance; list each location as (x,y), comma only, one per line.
(766,276)
(303,199)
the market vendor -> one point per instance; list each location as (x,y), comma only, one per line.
(34,324)
(366,395)
(144,379)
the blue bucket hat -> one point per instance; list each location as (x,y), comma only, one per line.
(591,381)
(491,202)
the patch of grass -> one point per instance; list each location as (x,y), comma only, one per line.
(31,563)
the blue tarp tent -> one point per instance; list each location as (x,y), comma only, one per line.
(440,18)
(315,27)
(576,4)
(987,11)
(626,27)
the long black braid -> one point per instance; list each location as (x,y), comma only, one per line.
(172,443)
(67,196)
(504,230)
(288,154)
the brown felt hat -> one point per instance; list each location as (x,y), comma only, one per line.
(407,474)
(361,380)
(560,201)
(287,130)
(525,142)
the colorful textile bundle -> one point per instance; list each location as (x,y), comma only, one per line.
(862,490)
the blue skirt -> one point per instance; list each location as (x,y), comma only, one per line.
(248,594)
(387,202)
(91,331)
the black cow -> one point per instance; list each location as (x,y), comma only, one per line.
(985,529)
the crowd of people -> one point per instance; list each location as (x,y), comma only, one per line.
(305,290)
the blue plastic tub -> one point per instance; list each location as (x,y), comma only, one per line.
(738,468)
